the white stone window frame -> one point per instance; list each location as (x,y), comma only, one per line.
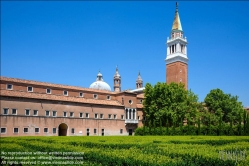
(95,116)
(87,115)
(82,114)
(65,91)
(54,129)
(38,130)
(109,116)
(14,130)
(102,116)
(55,113)
(12,111)
(108,97)
(114,116)
(26,131)
(34,113)
(44,130)
(5,130)
(49,90)
(8,87)
(130,101)
(95,96)
(32,89)
(64,113)
(71,114)
(46,113)
(4,111)
(81,94)
(27,109)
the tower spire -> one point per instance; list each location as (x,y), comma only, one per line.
(117,81)
(177,59)
(139,81)
(177,23)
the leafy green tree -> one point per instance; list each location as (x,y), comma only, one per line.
(219,103)
(170,103)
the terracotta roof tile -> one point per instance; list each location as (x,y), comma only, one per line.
(140,95)
(54,85)
(139,105)
(33,95)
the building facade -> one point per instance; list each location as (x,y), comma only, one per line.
(32,108)
(39,108)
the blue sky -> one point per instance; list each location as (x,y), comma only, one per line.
(69,42)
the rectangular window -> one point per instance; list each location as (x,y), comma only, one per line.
(103,132)
(108,97)
(9,86)
(81,94)
(27,112)
(109,116)
(122,116)
(3,130)
(95,131)
(54,113)
(35,112)
(95,96)
(5,111)
(71,114)
(72,130)
(15,130)
(81,115)
(25,130)
(54,130)
(121,131)
(65,114)
(138,117)
(30,89)
(95,116)
(47,113)
(37,130)
(101,116)
(87,132)
(114,116)
(14,111)
(87,115)
(48,91)
(45,130)
(65,93)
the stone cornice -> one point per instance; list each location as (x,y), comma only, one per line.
(176,58)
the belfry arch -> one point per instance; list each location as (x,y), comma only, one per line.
(62,129)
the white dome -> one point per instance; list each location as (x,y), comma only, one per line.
(101,85)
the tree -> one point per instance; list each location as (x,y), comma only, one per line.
(223,104)
(169,103)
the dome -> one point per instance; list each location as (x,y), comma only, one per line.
(100,84)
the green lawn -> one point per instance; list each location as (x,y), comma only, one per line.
(122,150)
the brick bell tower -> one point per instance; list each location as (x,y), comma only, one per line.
(177,60)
